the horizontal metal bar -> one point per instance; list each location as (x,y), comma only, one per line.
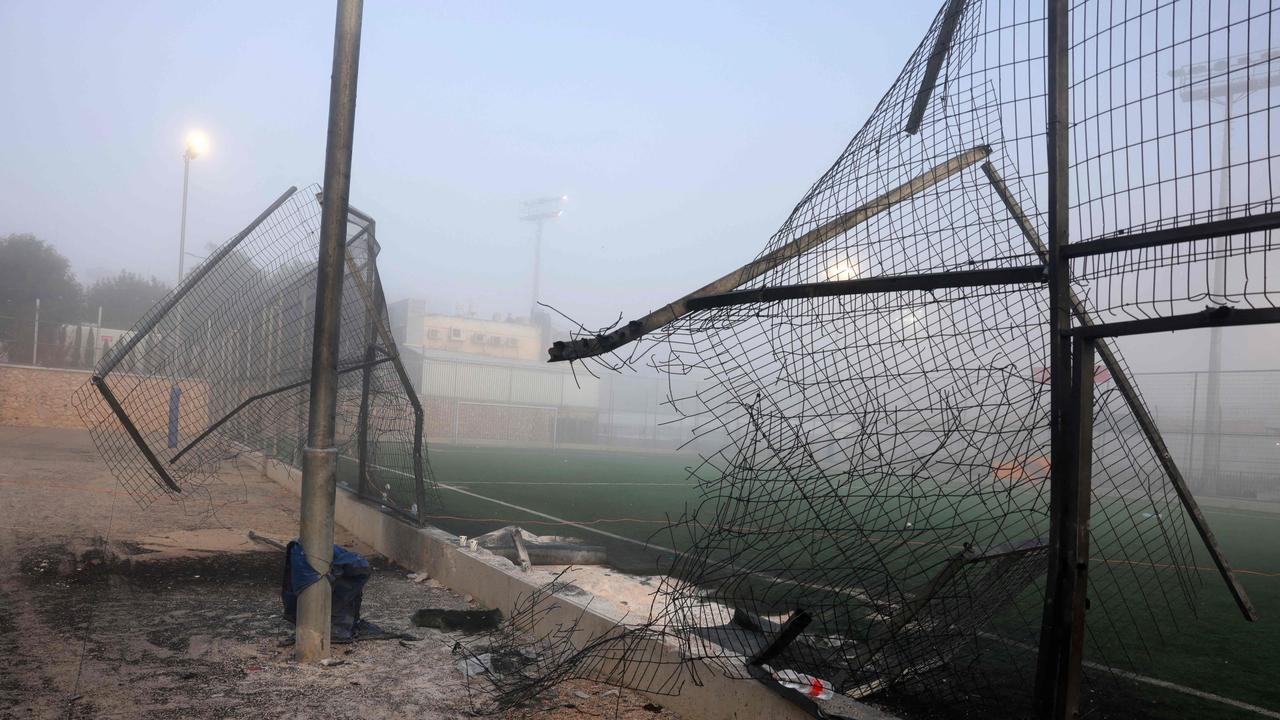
(842,223)
(254,398)
(1221,316)
(101,383)
(867,286)
(1171,236)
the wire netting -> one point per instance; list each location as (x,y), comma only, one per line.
(1175,112)
(219,370)
(878,442)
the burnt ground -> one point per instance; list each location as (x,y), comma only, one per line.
(108,610)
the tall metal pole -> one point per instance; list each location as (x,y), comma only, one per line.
(537,267)
(175,392)
(1212,439)
(1249,73)
(539,211)
(35,336)
(320,457)
(182,233)
(1055,624)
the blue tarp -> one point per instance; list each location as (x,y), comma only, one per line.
(175,400)
(347,575)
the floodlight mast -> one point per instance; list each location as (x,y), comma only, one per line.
(1223,82)
(539,211)
(320,456)
(197,145)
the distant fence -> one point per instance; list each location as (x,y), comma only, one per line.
(24,341)
(476,400)
(1246,441)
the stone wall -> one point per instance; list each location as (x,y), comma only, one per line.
(39,397)
(42,397)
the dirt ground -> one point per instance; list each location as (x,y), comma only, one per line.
(108,610)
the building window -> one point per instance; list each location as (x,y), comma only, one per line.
(455,333)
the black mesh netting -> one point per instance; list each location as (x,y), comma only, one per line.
(881,494)
(219,370)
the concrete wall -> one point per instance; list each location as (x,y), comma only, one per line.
(39,397)
(43,397)
(495,582)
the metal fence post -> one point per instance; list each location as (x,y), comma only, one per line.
(366,376)
(1051,689)
(320,458)
(35,338)
(1191,438)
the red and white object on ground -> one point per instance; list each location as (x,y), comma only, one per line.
(807,685)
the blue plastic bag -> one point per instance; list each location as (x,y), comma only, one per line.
(347,575)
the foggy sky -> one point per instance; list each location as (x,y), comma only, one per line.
(683,134)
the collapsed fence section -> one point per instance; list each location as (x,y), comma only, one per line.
(904,403)
(221,368)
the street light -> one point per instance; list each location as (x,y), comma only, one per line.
(1225,82)
(197,145)
(540,210)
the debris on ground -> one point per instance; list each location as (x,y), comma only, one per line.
(154,613)
(451,620)
(525,549)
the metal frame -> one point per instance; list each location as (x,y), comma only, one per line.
(1061,654)
(101,383)
(189,282)
(1172,236)
(371,318)
(636,329)
(941,48)
(891,283)
(375,304)
(1219,316)
(366,366)
(1072,350)
(1124,384)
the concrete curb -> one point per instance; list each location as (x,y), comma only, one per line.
(495,582)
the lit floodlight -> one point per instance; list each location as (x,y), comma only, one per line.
(197,144)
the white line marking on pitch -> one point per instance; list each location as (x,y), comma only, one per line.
(1151,681)
(843,591)
(607,484)
(571,523)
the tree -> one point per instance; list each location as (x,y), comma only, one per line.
(124,298)
(30,270)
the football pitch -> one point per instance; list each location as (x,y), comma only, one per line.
(626,501)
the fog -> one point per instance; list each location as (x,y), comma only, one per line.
(682,134)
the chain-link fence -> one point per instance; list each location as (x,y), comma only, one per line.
(221,368)
(1226,438)
(26,339)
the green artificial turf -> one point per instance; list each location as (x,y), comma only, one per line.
(634,495)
